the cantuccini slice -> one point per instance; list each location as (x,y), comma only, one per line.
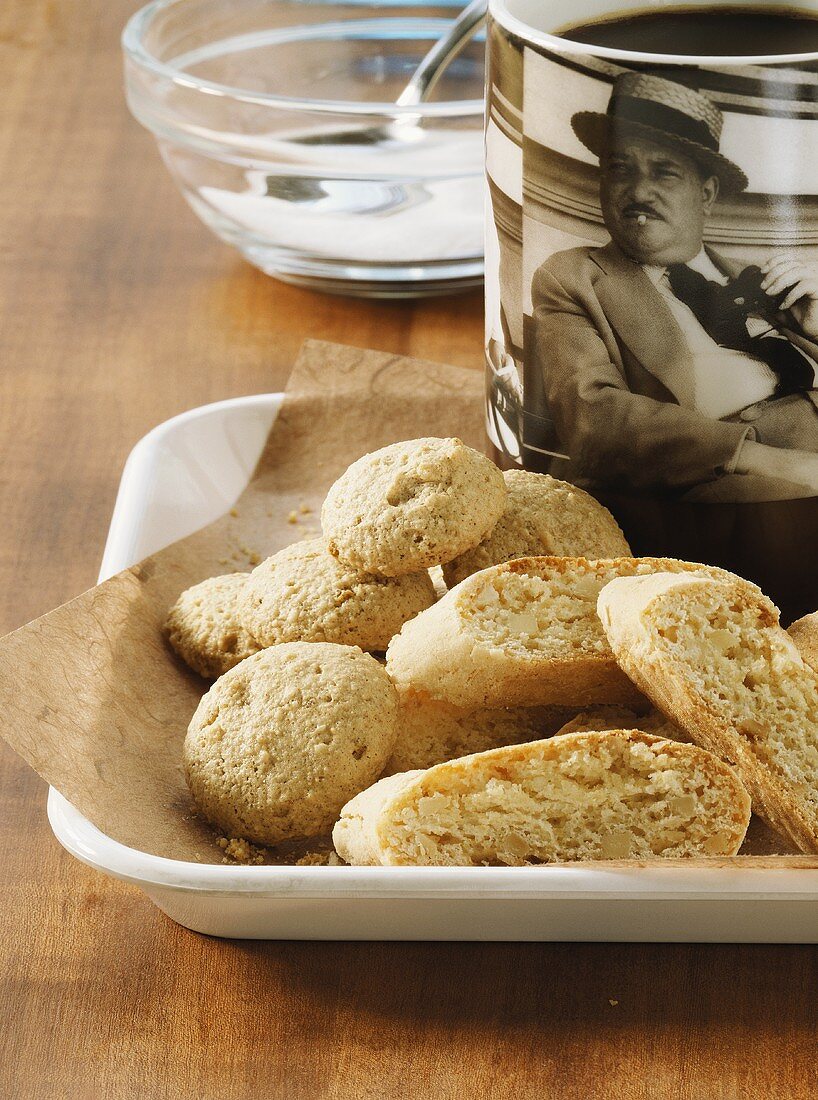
(525,633)
(711,654)
(621,794)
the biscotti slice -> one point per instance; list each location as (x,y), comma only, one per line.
(431,731)
(525,633)
(412,505)
(605,718)
(712,655)
(543,516)
(804,632)
(621,794)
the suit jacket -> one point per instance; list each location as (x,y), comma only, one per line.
(618,378)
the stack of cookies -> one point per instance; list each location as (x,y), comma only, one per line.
(510,723)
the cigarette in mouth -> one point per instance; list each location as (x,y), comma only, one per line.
(642,219)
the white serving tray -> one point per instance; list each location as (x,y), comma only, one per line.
(181,476)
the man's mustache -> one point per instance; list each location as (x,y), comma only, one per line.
(634,209)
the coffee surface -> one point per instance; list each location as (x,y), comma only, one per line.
(704,32)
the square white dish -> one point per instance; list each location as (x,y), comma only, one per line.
(181,476)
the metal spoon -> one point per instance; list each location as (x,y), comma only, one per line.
(444,51)
(420,86)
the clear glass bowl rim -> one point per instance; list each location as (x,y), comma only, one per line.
(134,48)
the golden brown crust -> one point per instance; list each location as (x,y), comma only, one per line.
(355,835)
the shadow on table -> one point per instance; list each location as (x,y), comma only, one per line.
(739,986)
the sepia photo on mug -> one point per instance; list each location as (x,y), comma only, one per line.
(652,250)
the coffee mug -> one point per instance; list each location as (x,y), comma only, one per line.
(652,286)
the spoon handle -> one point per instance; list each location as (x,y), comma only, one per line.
(443,52)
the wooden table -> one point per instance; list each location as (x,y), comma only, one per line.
(117,310)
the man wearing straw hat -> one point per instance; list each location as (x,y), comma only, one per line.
(666,366)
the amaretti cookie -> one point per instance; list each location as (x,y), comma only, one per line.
(525,633)
(606,718)
(543,516)
(412,505)
(712,655)
(430,731)
(204,627)
(303,593)
(282,741)
(621,794)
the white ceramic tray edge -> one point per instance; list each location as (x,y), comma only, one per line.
(584,883)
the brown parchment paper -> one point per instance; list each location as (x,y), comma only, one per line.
(90,694)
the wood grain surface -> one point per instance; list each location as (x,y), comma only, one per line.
(117,310)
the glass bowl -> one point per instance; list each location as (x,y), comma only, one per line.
(278,123)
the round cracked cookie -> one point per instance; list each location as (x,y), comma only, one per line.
(303,593)
(282,741)
(412,505)
(543,516)
(204,628)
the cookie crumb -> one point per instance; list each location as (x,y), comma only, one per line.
(305,510)
(320,859)
(292,517)
(612,1002)
(234,512)
(252,556)
(238,850)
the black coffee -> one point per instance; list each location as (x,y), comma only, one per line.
(704,32)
